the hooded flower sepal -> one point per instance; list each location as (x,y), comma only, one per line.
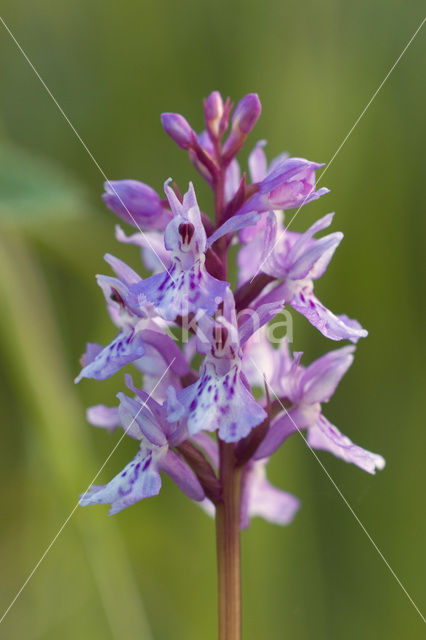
(145,420)
(186,287)
(290,184)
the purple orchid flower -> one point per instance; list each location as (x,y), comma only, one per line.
(290,184)
(145,420)
(187,286)
(220,400)
(306,389)
(141,337)
(298,260)
(215,398)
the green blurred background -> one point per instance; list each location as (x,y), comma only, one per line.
(149,572)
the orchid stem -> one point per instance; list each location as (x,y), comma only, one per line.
(229,546)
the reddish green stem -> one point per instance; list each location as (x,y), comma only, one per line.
(228,546)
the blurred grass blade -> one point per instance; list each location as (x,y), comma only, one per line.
(31,339)
(34,190)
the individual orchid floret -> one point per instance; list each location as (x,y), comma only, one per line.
(220,400)
(290,184)
(187,286)
(298,260)
(305,389)
(178,128)
(136,203)
(100,362)
(145,420)
(140,336)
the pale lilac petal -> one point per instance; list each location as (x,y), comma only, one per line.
(182,475)
(168,349)
(262,499)
(208,446)
(136,203)
(220,403)
(232,180)
(122,270)
(155,255)
(256,320)
(249,258)
(286,170)
(138,480)
(280,430)
(326,436)
(180,292)
(174,202)
(257,162)
(188,212)
(315,259)
(319,381)
(233,224)
(104,417)
(126,347)
(331,326)
(303,239)
(138,420)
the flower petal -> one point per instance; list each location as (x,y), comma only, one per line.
(315,259)
(327,437)
(138,480)
(235,223)
(220,403)
(331,326)
(280,430)
(180,292)
(104,417)
(320,379)
(262,499)
(182,475)
(126,347)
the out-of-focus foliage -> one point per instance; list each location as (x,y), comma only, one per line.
(33,191)
(114,67)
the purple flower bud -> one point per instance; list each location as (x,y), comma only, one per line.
(246,114)
(245,117)
(213,110)
(178,128)
(136,203)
